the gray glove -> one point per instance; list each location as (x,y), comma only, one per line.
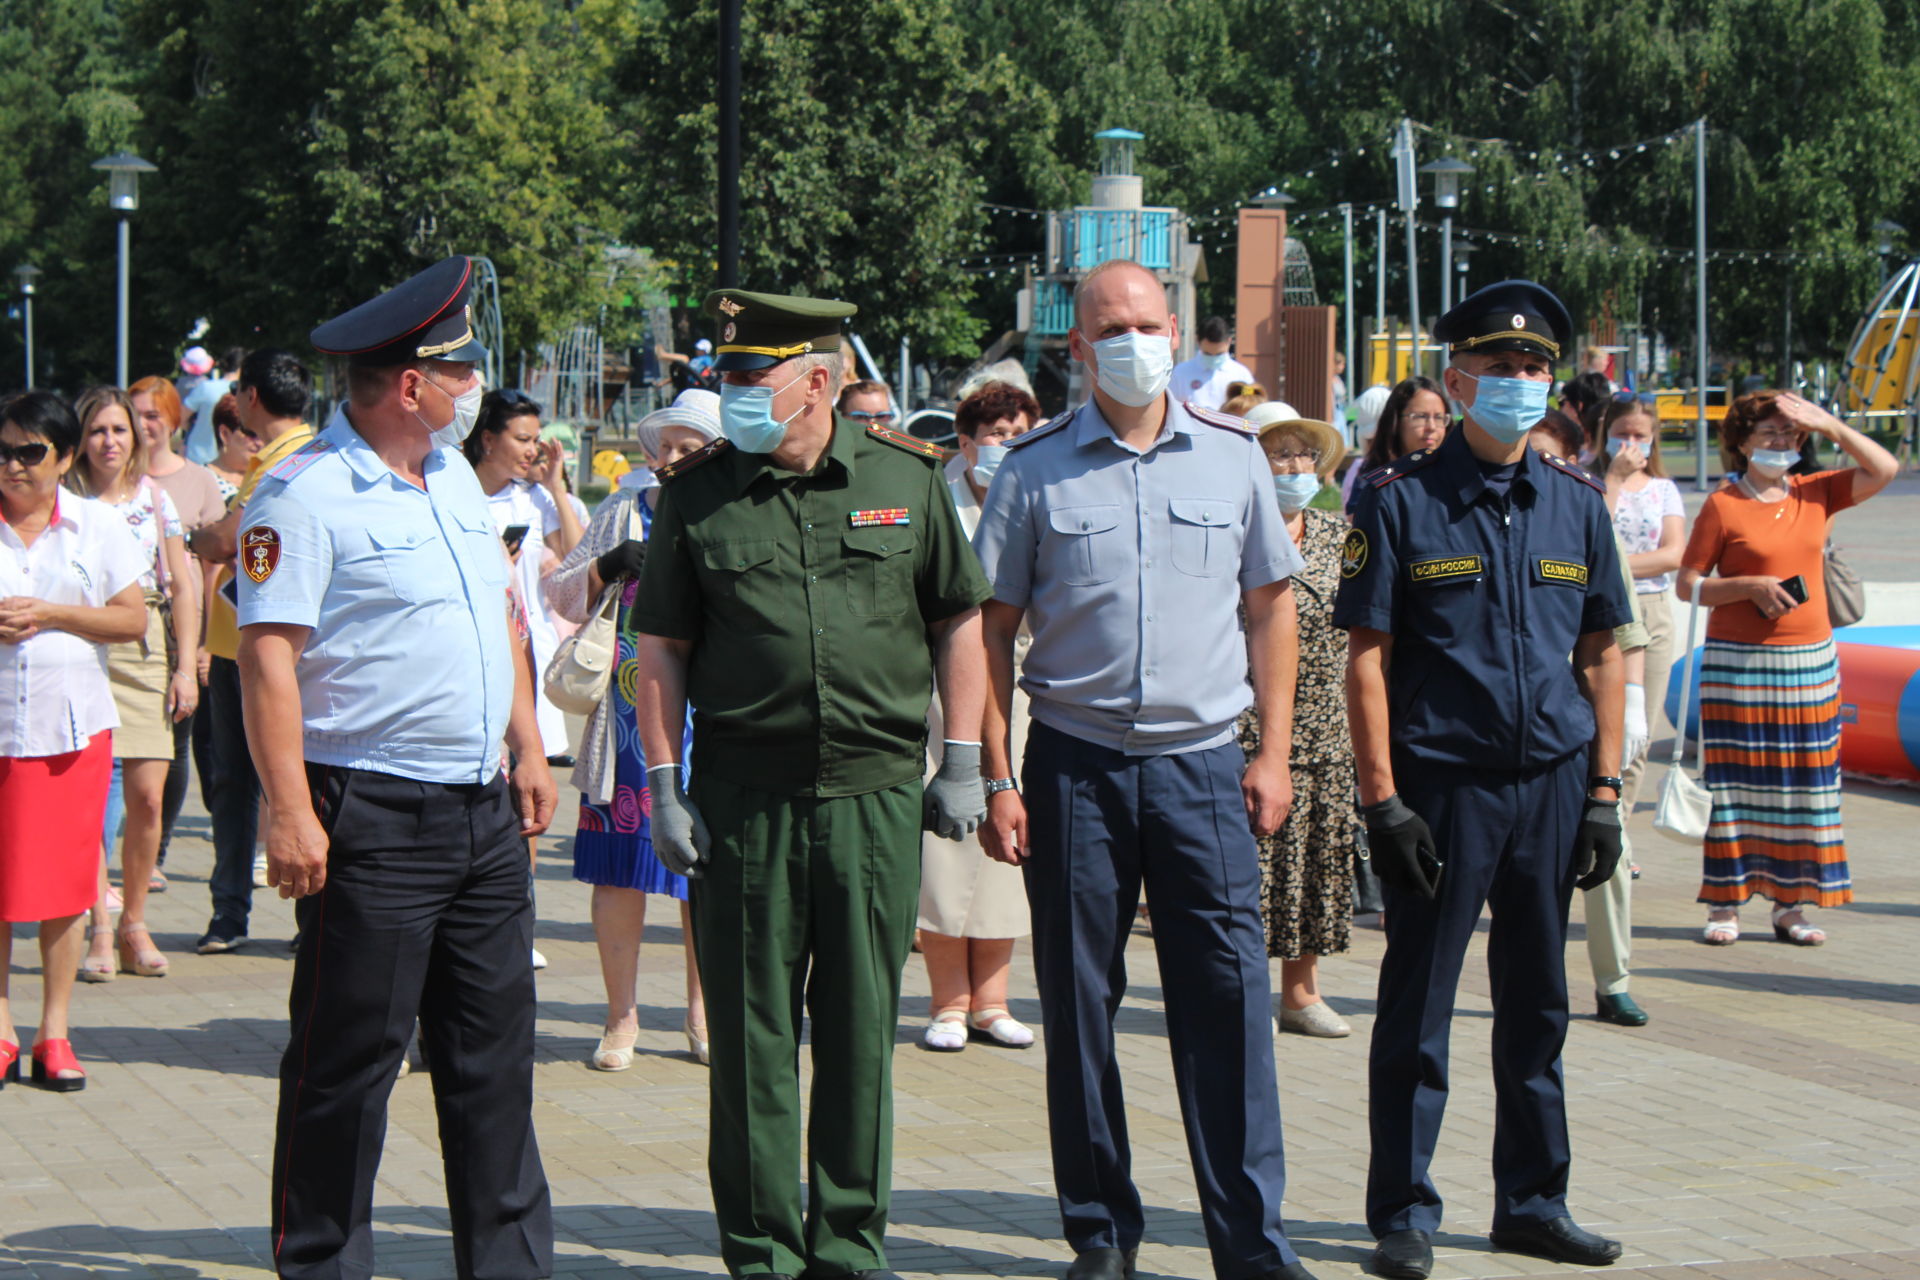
(956,801)
(1597,843)
(680,838)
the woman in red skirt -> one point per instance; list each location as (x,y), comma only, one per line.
(69,587)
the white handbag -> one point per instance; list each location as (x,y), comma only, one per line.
(576,678)
(1686,807)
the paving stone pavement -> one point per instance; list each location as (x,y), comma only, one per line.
(1765,1126)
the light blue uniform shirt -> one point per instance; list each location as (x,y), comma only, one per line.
(409,668)
(1130,566)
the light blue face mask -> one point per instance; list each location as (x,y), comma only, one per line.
(1507,408)
(1772,462)
(1213,359)
(746,417)
(1295,492)
(986,461)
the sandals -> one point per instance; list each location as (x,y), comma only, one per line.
(1798,932)
(142,962)
(9,1063)
(95,968)
(615,1051)
(50,1058)
(946,1033)
(1000,1027)
(696,1041)
(1722,933)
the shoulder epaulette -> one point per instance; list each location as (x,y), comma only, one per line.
(1215,418)
(1578,473)
(1046,428)
(300,459)
(1399,467)
(906,443)
(680,466)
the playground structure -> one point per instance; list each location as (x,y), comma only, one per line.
(1880,381)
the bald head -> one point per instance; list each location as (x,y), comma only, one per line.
(1115,280)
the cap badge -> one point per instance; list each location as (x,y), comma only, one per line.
(731,307)
(1519,322)
(726,334)
(260,552)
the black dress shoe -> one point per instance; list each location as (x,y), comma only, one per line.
(1404,1255)
(1103,1264)
(1620,1010)
(566,762)
(1558,1239)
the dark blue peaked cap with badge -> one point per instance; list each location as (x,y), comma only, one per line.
(425,318)
(759,330)
(1512,315)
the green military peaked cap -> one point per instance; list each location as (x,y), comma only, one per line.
(757,330)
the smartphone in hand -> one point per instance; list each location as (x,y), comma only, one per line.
(1796,586)
(513,535)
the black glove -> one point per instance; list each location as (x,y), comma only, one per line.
(1596,843)
(624,561)
(1401,848)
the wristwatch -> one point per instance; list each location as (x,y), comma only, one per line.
(1601,780)
(997,785)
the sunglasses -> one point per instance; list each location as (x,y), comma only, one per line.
(27,455)
(1632,397)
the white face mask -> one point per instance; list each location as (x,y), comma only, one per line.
(1772,462)
(986,460)
(1133,368)
(466,411)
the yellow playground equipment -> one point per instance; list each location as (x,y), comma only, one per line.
(1880,382)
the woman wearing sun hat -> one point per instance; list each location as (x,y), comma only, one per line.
(1307,866)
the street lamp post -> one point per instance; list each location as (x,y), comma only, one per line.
(1448,171)
(123,194)
(1461,257)
(1885,230)
(27,274)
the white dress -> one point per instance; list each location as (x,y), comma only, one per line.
(521,502)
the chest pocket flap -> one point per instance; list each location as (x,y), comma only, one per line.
(879,576)
(1078,520)
(1083,550)
(1213,512)
(488,553)
(738,557)
(410,563)
(1202,535)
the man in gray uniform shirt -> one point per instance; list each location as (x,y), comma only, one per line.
(1127,534)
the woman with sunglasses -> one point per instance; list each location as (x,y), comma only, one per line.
(238,444)
(69,587)
(1769,678)
(155,678)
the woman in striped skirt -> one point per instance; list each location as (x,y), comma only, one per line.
(1769,683)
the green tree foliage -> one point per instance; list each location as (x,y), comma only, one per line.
(319,150)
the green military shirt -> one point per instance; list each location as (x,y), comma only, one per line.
(807,599)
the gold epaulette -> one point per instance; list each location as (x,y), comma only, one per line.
(679,467)
(909,444)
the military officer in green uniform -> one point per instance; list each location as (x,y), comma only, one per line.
(807,584)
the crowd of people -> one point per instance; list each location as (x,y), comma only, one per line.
(1223,731)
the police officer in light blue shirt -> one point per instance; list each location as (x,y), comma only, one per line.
(1130,534)
(381,679)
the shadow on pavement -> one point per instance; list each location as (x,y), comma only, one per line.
(1819,985)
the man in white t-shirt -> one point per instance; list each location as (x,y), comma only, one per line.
(1203,380)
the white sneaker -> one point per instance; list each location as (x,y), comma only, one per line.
(260,869)
(1314,1020)
(539,961)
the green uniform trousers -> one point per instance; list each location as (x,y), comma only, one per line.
(806,905)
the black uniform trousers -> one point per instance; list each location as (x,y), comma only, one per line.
(425,915)
(1101,823)
(1506,839)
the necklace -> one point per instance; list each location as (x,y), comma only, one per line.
(1779,504)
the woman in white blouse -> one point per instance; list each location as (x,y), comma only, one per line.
(69,586)
(156,677)
(526,488)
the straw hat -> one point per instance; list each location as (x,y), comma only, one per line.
(1276,416)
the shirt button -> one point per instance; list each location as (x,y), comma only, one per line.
(813,577)
(809,527)
(819,631)
(1086,524)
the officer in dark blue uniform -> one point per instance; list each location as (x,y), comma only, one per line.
(1485,757)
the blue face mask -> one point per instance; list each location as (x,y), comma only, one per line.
(1772,462)
(986,461)
(1507,408)
(1213,359)
(746,417)
(1295,492)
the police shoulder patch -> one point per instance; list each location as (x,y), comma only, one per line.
(1577,472)
(1215,418)
(300,459)
(680,466)
(906,443)
(1353,553)
(1046,428)
(260,552)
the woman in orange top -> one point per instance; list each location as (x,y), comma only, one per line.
(1769,681)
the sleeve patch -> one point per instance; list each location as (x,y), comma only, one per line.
(1353,554)
(260,552)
